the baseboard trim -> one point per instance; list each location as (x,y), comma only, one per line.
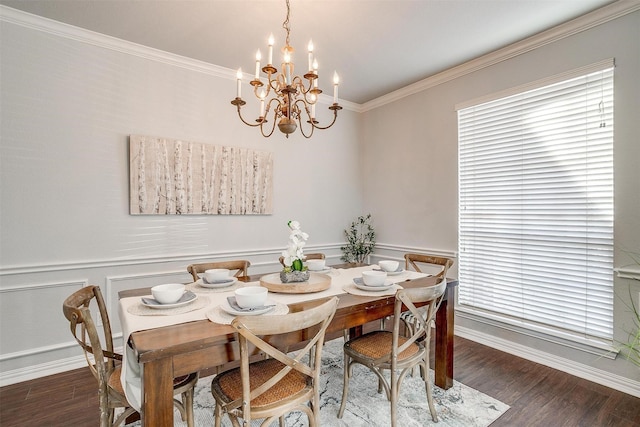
(38,371)
(45,369)
(589,373)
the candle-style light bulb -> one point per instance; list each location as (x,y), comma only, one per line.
(258,58)
(271,41)
(262,95)
(287,68)
(310,47)
(239,77)
(336,81)
(315,71)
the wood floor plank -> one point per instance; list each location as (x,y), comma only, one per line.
(538,395)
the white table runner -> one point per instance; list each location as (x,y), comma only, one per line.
(131,380)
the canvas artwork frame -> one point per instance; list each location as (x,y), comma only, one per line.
(176,177)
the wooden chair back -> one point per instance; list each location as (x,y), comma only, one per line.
(98,352)
(415,260)
(100,356)
(318,255)
(252,329)
(240,268)
(431,296)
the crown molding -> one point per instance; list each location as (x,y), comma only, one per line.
(82,35)
(569,28)
(60,29)
(582,23)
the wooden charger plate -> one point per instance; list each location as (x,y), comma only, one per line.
(316,283)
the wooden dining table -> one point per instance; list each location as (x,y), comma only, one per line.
(170,351)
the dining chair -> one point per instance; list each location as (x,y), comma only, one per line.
(318,255)
(281,383)
(239,268)
(101,359)
(389,350)
(439,265)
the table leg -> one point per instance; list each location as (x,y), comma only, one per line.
(157,393)
(444,340)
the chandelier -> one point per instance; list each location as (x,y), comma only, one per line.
(292,99)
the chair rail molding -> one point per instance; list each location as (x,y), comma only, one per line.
(186,258)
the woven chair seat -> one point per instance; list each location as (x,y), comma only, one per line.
(378,344)
(114,380)
(229,384)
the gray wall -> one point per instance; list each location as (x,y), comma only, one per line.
(414,140)
(68,106)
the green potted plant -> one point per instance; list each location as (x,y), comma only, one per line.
(361,240)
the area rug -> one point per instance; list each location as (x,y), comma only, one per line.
(459,406)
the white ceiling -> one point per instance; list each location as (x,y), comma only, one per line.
(376,46)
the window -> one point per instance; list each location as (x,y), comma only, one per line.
(536,206)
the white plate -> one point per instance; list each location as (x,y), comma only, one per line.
(400,270)
(226,283)
(387,284)
(190,299)
(227,308)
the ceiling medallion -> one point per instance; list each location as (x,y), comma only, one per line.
(291,102)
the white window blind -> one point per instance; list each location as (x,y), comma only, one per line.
(536,207)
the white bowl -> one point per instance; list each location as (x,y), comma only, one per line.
(216,274)
(251,296)
(316,264)
(389,266)
(374,278)
(169,293)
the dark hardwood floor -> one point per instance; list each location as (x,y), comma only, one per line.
(538,395)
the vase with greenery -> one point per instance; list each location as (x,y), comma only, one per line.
(361,240)
(294,269)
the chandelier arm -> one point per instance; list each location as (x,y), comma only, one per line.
(335,108)
(255,91)
(273,127)
(308,121)
(275,117)
(244,121)
(274,84)
(297,82)
(310,91)
(302,129)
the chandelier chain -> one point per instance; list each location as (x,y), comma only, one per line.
(286,25)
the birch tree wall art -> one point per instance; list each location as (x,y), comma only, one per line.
(174,177)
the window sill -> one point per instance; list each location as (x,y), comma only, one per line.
(628,272)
